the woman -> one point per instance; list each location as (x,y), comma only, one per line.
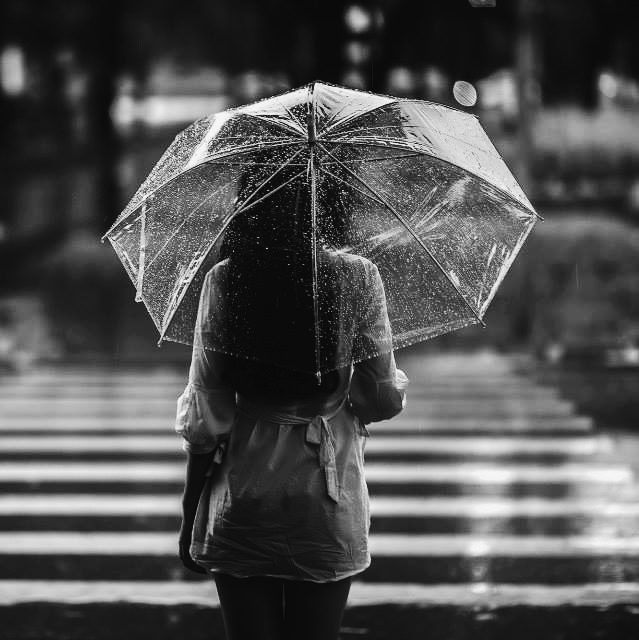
(275,502)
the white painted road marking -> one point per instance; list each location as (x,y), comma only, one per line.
(460,445)
(381,545)
(390,506)
(361,594)
(465,473)
(56,423)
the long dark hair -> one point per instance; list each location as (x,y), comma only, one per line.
(270,295)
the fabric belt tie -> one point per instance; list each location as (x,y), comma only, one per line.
(318,433)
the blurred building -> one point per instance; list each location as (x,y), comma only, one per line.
(171,95)
(498,94)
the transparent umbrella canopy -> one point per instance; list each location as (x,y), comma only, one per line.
(297,189)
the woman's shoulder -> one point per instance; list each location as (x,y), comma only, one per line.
(350,261)
(217,270)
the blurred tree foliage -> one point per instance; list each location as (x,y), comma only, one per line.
(576,282)
(305,38)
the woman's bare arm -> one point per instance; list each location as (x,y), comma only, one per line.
(197,464)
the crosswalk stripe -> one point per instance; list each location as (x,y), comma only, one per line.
(159,504)
(169,400)
(404,545)
(499,474)
(164,423)
(115,411)
(447,521)
(134,395)
(154,377)
(475,473)
(169,393)
(79,383)
(512,546)
(469,446)
(89,504)
(203,593)
(464,507)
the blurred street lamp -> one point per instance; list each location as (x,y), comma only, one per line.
(608,85)
(358,19)
(354,79)
(436,86)
(358,53)
(498,92)
(12,71)
(615,89)
(363,25)
(401,82)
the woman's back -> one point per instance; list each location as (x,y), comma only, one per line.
(266,338)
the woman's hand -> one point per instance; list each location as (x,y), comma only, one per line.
(184,544)
(196,468)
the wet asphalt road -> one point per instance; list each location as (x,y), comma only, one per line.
(497,511)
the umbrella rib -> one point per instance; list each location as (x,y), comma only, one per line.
(188,217)
(391,100)
(171,309)
(373,197)
(300,132)
(508,263)
(246,207)
(208,198)
(331,125)
(235,152)
(411,231)
(396,144)
(247,149)
(413,154)
(142,256)
(267,180)
(403,156)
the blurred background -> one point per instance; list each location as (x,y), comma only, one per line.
(504,497)
(91,93)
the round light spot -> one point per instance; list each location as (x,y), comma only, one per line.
(465,93)
(358,19)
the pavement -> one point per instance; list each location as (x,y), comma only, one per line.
(497,511)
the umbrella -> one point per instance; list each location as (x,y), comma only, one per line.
(415,187)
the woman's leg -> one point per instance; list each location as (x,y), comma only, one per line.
(313,611)
(252,607)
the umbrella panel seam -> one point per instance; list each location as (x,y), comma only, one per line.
(275,122)
(529,209)
(203,202)
(181,225)
(330,125)
(506,266)
(392,101)
(173,307)
(119,223)
(414,234)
